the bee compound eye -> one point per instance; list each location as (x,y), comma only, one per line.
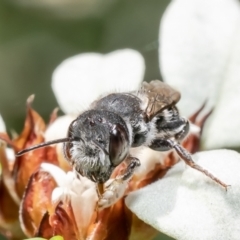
(118,144)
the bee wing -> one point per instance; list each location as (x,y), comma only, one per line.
(80,80)
(157,96)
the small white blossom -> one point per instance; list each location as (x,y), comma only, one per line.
(80,80)
(81,193)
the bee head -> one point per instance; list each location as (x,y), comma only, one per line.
(96,143)
(101,142)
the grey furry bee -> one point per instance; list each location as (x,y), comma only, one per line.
(100,138)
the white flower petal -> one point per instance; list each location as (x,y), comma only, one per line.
(196,39)
(10,154)
(9,151)
(221,130)
(194,129)
(79,80)
(80,192)
(148,158)
(84,204)
(187,205)
(2,125)
(59,128)
(56,194)
(83,197)
(57,173)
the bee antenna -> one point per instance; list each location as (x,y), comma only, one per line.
(60,140)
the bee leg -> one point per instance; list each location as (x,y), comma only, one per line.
(167,144)
(115,188)
(133,164)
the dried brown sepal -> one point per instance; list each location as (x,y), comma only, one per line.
(192,142)
(9,201)
(36,201)
(140,230)
(28,163)
(193,118)
(32,134)
(156,168)
(63,223)
(157,173)
(119,223)
(45,229)
(6,175)
(9,220)
(112,223)
(53,116)
(5,138)
(33,130)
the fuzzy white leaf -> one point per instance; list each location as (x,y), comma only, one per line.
(187,205)
(196,41)
(81,79)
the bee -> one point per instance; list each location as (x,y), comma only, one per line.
(100,138)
